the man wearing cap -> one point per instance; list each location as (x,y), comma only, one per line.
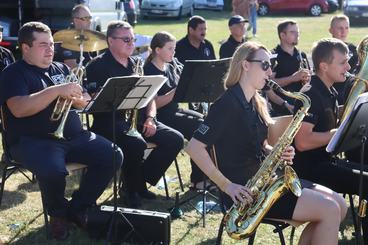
(237,32)
(6,56)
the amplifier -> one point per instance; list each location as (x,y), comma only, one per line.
(132,225)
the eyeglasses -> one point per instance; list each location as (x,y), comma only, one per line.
(85,18)
(126,39)
(265,65)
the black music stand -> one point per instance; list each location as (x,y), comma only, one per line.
(352,133)
(201,81)
(121,93)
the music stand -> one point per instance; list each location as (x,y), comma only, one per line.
(122,93)
(201,81)
(353,132)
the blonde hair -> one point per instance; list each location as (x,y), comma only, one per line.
(247,51)
(337,18)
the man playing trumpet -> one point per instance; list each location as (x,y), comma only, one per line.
(29,91)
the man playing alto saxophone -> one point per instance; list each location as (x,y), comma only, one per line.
(237,126)
(29,89)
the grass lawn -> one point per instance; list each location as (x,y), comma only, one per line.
(21,220)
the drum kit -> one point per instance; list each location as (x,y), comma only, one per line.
(81,40)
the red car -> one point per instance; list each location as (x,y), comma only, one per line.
(312,7)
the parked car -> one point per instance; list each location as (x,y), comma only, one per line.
(356,9)
(167,8)
(130,8)
(312,7)
(333,5)
(209,4)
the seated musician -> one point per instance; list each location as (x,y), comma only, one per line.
(162,62)
(81,20)
(237,126)
(29,90)
(312,162)
(117,61)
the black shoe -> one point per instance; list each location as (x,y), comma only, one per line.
(79,219)
(59,228)
(146,194)
(133,200)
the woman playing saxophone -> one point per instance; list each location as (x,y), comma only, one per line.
(237,126)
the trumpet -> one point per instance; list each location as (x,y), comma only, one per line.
(63,106)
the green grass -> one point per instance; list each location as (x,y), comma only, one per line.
(21,221)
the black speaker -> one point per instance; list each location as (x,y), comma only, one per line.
(132,225)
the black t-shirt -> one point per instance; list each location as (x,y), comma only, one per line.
(6,58)
(98,71)
(343,89)
(62,54)
(287,65)
(228,48)
(22,79)
(236,129)
(323,115)
(171,83)
(186,51)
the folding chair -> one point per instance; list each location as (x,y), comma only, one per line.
(278,224)
(11,166)
(151,146)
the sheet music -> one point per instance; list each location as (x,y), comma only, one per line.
(138,94)
(144,91)
(363,98)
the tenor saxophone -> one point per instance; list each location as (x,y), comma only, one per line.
(273,179)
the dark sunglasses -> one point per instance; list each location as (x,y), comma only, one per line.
(126,39)
(85,18)
(265,65)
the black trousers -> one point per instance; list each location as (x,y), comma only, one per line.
(135,171)
(186,122)
(338,176)
(46,159)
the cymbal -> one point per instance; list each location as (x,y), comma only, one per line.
(72,38)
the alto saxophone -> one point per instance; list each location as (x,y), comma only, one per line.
(273,179)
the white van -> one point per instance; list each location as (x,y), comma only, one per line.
(104,11)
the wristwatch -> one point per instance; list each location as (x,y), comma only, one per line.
(154,119)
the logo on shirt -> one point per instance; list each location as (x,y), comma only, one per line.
(58,79)
(207,52)
(203,128)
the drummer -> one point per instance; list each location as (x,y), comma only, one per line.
(81,20)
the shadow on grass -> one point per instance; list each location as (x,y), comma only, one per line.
(38,236)
(29,187)
(11,199)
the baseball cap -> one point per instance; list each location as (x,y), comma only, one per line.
(236,19)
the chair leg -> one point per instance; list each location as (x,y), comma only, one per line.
(3,179)
(166,188)
(353,214)
(251,238)
(220,231)
(46,219)
(292,235)
(281,235)
(179,175)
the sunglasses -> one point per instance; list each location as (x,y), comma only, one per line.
(265,65)
(126,39)
(85,18)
